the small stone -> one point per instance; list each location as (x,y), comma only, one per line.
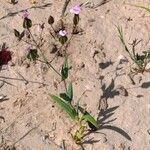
(81,65)
(122,146)
(45,137)
(52,136)
(10,63)
(2,97)
(147,66)
(122,59)
(122,91)
(26,64)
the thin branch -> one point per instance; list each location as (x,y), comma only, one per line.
(26,134)
(64,7)
(23,79)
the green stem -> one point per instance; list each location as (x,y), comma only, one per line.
(65,85)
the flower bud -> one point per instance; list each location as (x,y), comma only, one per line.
(50,20)
(76,19)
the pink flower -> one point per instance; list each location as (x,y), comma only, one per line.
(25,14)
(28,49)
(62,32)
(75,10)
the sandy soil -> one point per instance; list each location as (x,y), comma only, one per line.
(31,121)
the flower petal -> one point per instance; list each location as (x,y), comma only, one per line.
(62,32)
(75,10)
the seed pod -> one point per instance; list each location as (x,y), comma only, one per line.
(76,19)
(50,20)
(17,34)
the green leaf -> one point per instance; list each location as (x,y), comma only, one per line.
(65,97)
(66,107)
(120,31)
(27,23)
(32,54)
(65,69)
(21,35)
(63,39)
(147,53)
(77,107)
(69,95)
(87,117)
(70,91)
(16,32)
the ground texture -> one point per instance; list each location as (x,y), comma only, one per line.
(31,121)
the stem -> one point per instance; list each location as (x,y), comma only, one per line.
(64,7)
(33,38)
(45,59)
(65,85)
(49,64)
(53,28)
(28,43)
(52,35)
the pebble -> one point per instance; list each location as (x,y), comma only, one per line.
(122,59)
(2,97)
(81,65)
(147,66)
(122,91)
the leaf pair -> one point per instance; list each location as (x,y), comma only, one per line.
(66,107)
(18,34)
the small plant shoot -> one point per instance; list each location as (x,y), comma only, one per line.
(140,60)
(78,114)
